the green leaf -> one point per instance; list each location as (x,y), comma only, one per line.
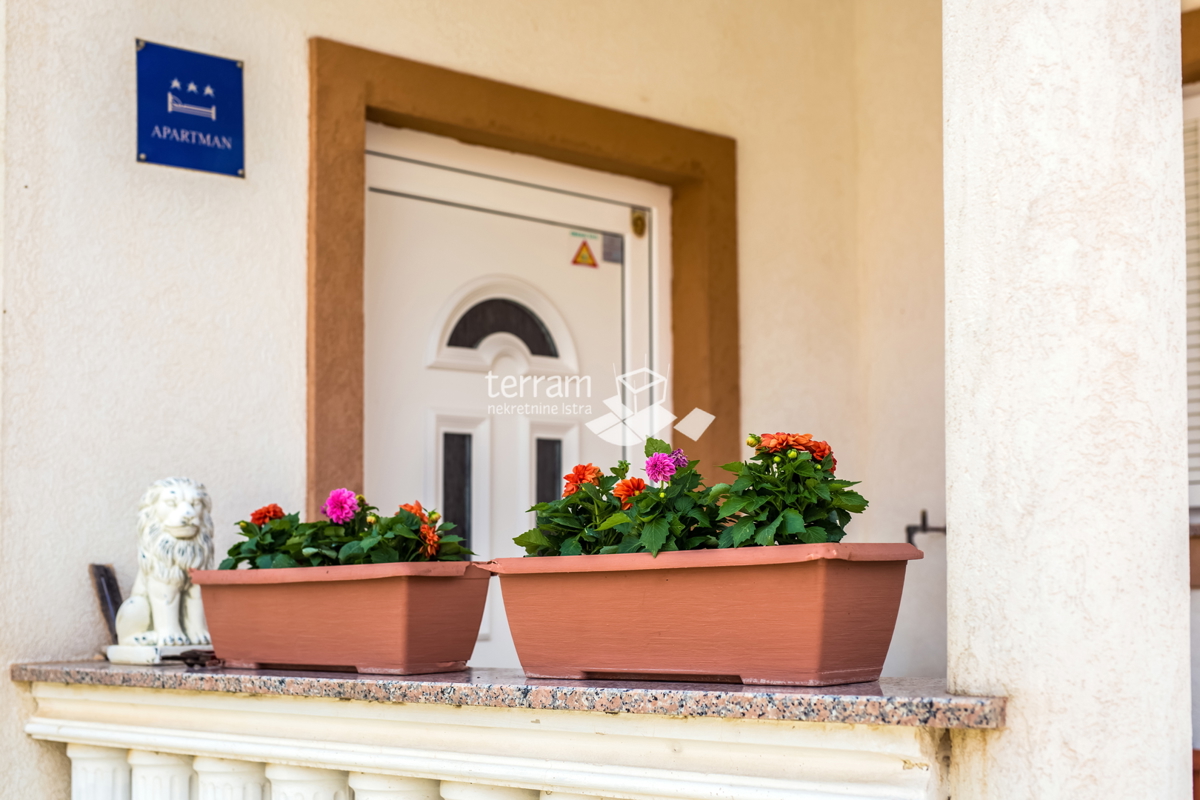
(228,563)
(741,531)
(733,466)
(813,535)
(348,551)
(629,544)
(654,535)
(532,538)
(612,548)
(656,446)
(717,491)
(613,521)
(384,555)
(851,501)
(744,482)
(734,505)
(283,561)
(725,540)
(765,535)
(793,522)
(264,561)
(571,547)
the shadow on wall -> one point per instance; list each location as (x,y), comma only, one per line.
(919,646)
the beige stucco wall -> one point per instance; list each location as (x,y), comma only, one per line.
(1066,376)
(154,318)
(898,250)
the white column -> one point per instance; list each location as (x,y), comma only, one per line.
(392,787)
(160,776)
(1065,396)
(452,790)
(225,779)
(306,783)
(98,773)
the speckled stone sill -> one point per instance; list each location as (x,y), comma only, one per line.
(920,702)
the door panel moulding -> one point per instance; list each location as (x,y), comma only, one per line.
(350,86)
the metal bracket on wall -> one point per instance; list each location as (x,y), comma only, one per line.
(924,527)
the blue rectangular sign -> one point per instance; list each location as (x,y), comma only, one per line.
(190,110)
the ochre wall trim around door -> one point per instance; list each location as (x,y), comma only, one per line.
(1189,30)
(350,86)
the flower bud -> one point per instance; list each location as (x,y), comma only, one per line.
(753,440)
(434,516)
(792,454)
(372,519)
(778,459)
(662,494)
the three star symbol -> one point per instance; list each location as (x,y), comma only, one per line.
(191,87)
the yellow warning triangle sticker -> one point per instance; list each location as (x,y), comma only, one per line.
(583,256)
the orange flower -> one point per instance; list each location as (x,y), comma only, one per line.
(431,541)
(775,442)
(628,488)
(415,508)
(265,514)
(579,475)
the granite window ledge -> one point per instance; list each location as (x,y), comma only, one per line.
(920,702)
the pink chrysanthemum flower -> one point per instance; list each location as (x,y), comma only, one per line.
(341,506)
(660,467)
(679,458)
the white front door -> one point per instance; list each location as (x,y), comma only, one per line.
(504,294)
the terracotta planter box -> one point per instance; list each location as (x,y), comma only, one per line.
(400,619)
(803,615)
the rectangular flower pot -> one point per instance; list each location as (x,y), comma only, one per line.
(400,619)
(800,615)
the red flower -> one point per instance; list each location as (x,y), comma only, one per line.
(630,487)
(819,450)
(415,508)
(579,475)
(265,514)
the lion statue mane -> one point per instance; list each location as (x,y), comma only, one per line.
(175,534)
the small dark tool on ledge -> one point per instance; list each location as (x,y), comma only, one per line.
(196,658)
(108,595)
(924,527)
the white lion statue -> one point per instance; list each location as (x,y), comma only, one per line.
(175,534)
